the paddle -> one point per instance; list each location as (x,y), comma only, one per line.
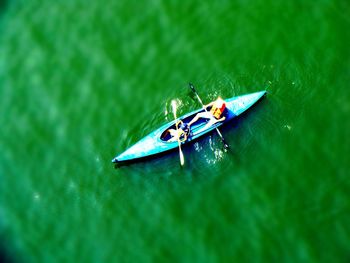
(182,159)
(226,146)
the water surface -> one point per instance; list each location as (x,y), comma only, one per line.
(82,81)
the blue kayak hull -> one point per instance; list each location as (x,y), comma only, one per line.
(154,143)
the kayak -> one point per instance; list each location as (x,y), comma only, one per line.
(158,142)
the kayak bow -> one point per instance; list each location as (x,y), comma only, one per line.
(157,141)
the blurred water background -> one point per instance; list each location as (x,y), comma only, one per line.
(81,81)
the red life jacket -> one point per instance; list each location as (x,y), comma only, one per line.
(218,108)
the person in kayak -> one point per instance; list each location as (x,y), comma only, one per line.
(214,115)
(179,134)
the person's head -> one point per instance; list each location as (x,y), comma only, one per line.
(219,103)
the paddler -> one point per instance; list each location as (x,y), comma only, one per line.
(179,134)
(214,115)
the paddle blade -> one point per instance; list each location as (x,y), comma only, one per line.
(192,88)
(173,106)
(226,147)
(182,158)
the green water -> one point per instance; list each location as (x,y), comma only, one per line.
(81,81)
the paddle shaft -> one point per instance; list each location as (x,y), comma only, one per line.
(201,102)
(181,155)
